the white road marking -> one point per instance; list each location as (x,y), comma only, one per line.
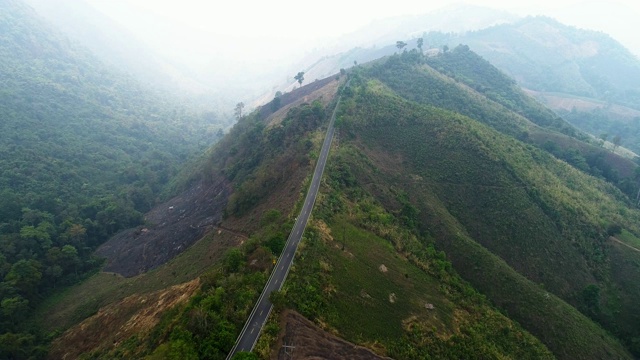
(252,330)
(261,312)
(282,268)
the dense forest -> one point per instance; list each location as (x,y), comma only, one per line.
(86,151)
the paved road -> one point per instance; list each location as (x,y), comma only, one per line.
(249,335)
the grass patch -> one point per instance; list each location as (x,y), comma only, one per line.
(364,293)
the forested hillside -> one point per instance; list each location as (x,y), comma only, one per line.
(85,152)
(519,225)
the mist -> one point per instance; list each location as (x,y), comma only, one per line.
(244,49)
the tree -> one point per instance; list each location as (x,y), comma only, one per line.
(233,260)
(616,142)
(69,258)
(400,44)
(591,298)
(603,138)
(299,77)
(238,110)
(25,276)
(445,48)
(420,43)
(14,308)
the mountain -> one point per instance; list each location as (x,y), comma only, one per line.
(458,217)
(501,208)
(545,55)
(86,150)
(568,68)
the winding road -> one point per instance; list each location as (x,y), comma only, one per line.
(252,328)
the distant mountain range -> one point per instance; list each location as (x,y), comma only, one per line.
(563,66)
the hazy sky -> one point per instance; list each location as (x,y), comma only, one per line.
(195,30)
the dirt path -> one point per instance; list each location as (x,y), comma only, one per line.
(625,244)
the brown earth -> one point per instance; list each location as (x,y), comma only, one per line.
(324,94)
(170,229)
(311,342)
(293,94)
(136,314)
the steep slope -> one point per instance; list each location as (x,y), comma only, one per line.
(564,62)
(85,151)
(521,226)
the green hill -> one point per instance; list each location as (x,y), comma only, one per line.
(518,224)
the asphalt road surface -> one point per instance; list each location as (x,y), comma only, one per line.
(249,335)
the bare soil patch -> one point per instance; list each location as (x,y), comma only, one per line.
(136,314)
(324,92)
(311,342)
(170,228)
